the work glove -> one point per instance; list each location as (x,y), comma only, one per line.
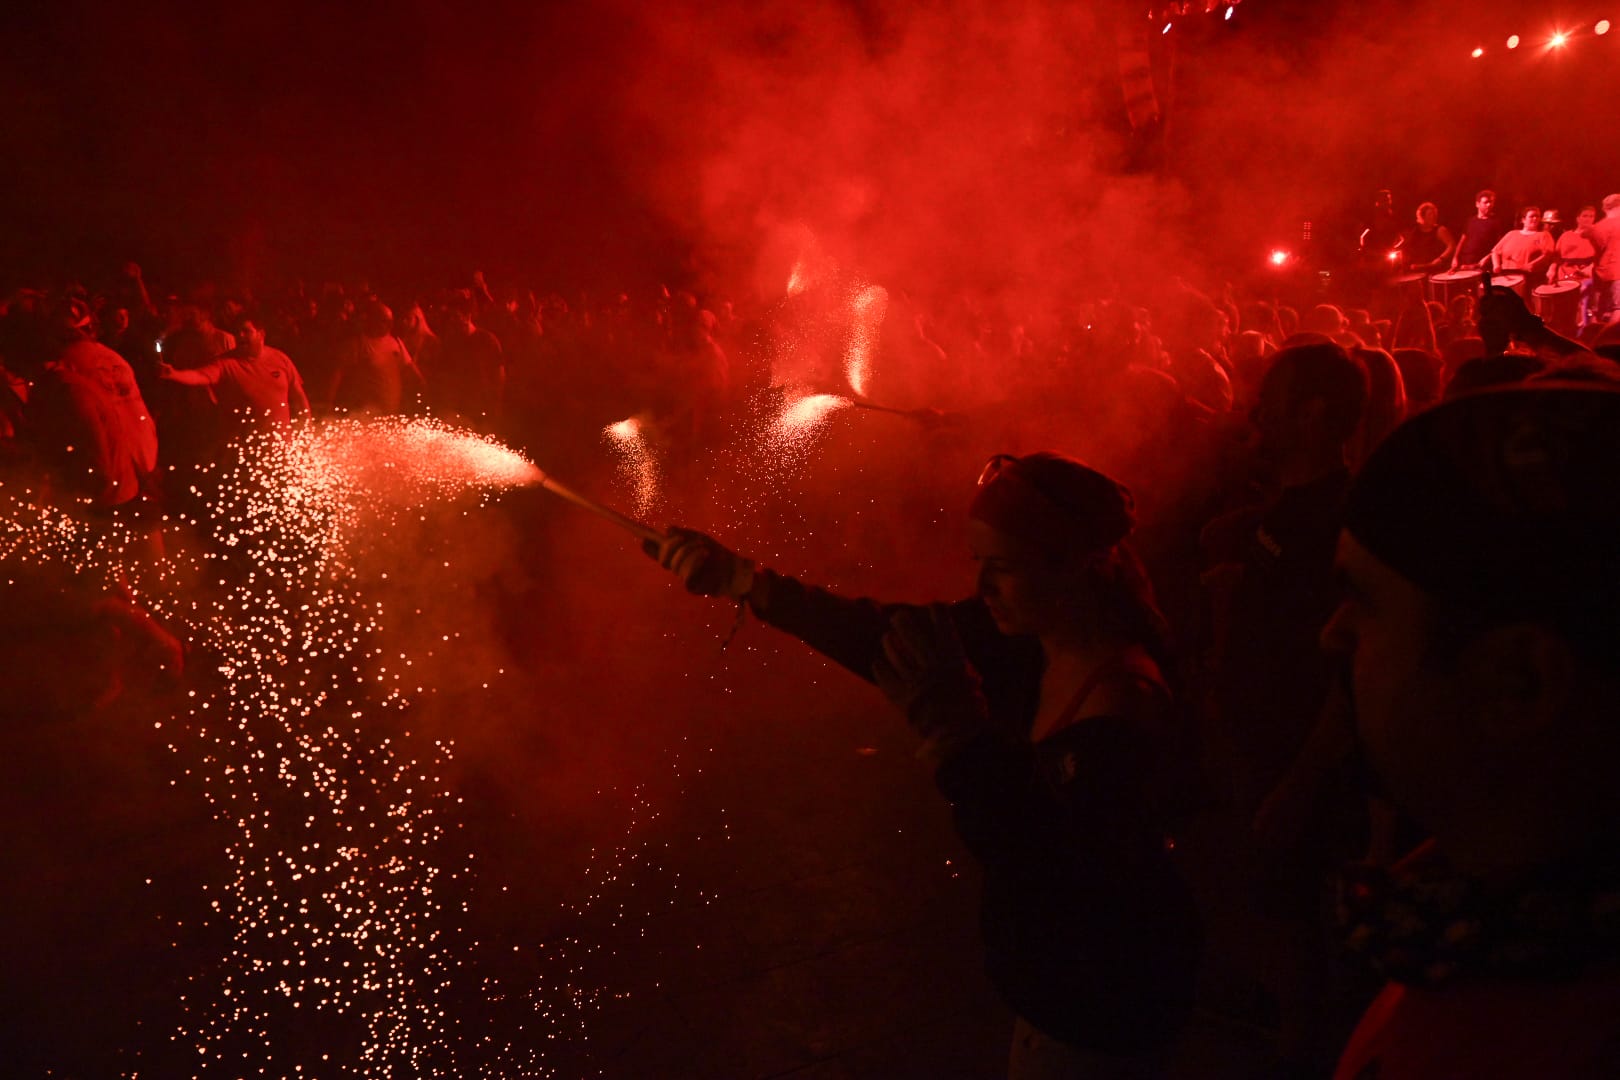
(704,566)
(926,674)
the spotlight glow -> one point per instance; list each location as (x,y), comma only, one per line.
(1278,257)
(1601,28)
(1558,39)
(1477,53)
(1513,42)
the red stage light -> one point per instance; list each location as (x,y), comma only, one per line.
(1167,27)
(1278,257)
(1478,53)
(1601,28)
(1558,39)
(1513,42)
(1229,11)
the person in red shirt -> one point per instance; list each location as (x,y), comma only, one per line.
(1605,237)
(87,418)
(1480,624)
(257,386)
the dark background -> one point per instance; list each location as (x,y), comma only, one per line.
(621,143)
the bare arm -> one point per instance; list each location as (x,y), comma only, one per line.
(207,375)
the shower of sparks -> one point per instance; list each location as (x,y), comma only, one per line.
(335,910)
(798,279)
(637,462)
(34,535)
(867,310)
(333,903)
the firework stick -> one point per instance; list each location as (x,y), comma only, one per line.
(861,403)
(630,525)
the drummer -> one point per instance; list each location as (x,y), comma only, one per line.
(1527,250)
(1480,235)
(1427,246)
(1576,255)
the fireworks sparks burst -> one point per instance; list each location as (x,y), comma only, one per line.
(867,311)
(332,909)
(798,279)
(333,904)
(637,462)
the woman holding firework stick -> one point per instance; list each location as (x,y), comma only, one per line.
(1043,706)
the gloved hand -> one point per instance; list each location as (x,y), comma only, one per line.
(704,566)
(926,674)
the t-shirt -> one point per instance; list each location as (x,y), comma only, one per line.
(1518,248)
(373,373)
(1574,248)
(259,391)
(88,414)
(1606,238)
(1479,237)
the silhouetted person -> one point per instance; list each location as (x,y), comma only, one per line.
(1271,589)
(1480,624)
(470,376)
(375,370)
(1042,703)
(86,417)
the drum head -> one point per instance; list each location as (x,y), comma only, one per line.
(1451,276)
(1508,281)
(1557,288)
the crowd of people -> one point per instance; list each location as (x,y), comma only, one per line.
(1427,494)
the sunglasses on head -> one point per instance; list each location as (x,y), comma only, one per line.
(997,464)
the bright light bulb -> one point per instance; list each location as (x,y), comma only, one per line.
(1278,257)
(1478,53)
(1229,11)
(1513,42)
(1601,28)
(1167,27)
(1558,39)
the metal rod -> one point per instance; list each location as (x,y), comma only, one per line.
(640,530)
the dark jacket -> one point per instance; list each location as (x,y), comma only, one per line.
(1090,933)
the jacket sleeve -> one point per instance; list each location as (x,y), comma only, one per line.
(851,632)
(848,631)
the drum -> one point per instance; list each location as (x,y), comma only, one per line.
(1452,284)
(1510,281)
(1409,288)
(1559,306)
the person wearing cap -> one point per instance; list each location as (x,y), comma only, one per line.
(1042,703)
(1480,629)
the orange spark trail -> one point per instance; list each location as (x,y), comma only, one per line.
(868,309)
(638,463)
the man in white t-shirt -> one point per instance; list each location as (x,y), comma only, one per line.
(1526,250)
(257,386)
